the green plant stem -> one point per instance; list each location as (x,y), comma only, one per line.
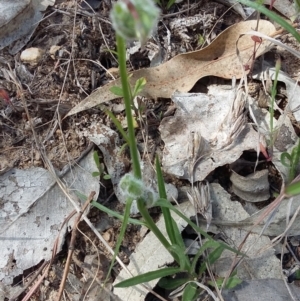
(273,95)
(127,100)
(132,143)
(294,161)
(151,226)
(163,195)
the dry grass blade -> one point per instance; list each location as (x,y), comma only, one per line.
(200,199)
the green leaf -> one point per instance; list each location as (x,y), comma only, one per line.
(293,189)
(96,159)
(118,125)
(106,177)
(160,180)
(116,214)
(232,282)
(208,244)
(190,292)
(169,283)
(286,159)
(139,86)
(148,277)
(170,3)
(215,255)
(117,91)
(171,227)
(178,237)
(95,174)
(296,275)
(110,51)
(120,237)
(183,258)
(165,203)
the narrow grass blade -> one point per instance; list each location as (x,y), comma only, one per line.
(148,277)
(212,258)
(293,189)
(169,222)
(118,125)
(121,236)
(205,246)
(184,262)
(165,203)
(171,284)
(116,214)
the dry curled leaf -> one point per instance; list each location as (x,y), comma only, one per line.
(183,71)
(252,188)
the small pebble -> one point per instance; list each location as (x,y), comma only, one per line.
(32,55)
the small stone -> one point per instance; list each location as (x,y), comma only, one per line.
(32,55)
(107,236)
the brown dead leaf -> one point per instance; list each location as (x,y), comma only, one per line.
(183,71)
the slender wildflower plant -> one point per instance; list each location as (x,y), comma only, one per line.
(135,19)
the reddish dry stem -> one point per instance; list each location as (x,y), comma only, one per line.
(4,96)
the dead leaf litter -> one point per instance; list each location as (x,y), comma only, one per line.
(56,75)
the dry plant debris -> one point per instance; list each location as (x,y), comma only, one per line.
(217,117)
(18,21)
(32,209)
(220,143)
(218,59)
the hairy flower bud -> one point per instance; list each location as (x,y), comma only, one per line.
(135,189)
(134,19)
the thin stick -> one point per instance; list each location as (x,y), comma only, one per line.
(72,245)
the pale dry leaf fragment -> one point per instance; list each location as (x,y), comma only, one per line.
(232,215)
(33,207)
(258,264)
(218,116)
(18,20)
(285,7)
(218,59)
(252,188)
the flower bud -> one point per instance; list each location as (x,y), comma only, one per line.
(135,189)
(134,19)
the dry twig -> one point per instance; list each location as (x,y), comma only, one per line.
(72,245)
